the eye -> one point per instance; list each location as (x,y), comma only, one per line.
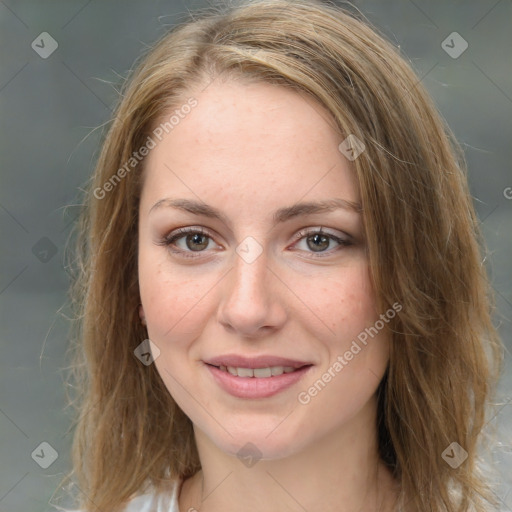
(317,241)
(194,240)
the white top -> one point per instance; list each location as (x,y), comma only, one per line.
(151,502)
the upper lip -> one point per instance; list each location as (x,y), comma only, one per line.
(262,361)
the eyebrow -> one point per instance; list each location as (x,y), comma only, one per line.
(281,215)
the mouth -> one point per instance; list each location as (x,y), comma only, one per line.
(256,379)
(258,373)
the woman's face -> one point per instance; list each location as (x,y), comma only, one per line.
(257,288)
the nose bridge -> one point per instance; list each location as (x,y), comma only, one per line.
(250,301)
(249,280)
(250,276)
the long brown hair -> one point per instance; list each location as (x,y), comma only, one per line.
(425,252)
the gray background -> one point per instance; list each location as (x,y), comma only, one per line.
(50,109)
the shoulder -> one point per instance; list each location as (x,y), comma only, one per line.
(150,501)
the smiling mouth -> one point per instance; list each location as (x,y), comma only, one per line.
(258,373)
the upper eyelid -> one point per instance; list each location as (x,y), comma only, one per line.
(300,233)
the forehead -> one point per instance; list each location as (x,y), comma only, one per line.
(247,138)
(244,118)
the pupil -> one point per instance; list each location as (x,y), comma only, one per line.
(196,237)
(319,238)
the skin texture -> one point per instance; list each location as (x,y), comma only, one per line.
(247,150)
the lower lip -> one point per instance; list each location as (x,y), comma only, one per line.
(255,387)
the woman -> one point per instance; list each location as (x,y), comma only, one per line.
(281,299)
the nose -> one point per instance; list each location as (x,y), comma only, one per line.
(252,298)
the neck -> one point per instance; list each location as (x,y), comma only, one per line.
(340,472)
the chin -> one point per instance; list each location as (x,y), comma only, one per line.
(260,441)
(257,448)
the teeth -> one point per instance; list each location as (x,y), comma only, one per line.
(262,372)
(272,371)
(245,372)
(277,370)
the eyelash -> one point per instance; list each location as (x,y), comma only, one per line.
(180,233)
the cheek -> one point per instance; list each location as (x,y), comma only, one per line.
(176,306)
(344,303)
(355,340)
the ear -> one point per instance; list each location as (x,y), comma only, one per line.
(142,316)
